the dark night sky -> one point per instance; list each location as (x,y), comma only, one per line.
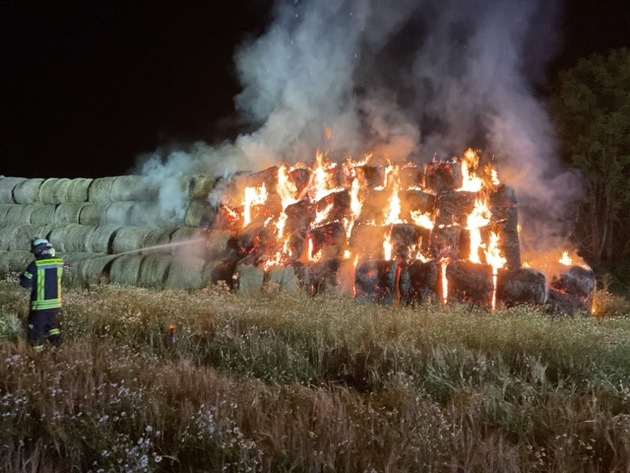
(85,87)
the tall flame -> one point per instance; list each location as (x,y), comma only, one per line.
(497,261)
(253,196)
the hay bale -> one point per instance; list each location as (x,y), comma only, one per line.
(188,241)
(200,185)
(157,241)
(117,212)
(14,261)
(42,231)
(43,214)
(132,188)
(250,278)
(27,192)
(100,190)
(18,214)
(7,184)
(93,270)
(147,214)
(16,237)
(102,240)
(71,238)
(69,212)
(125,269)
(78,189)
(130,239)
(91,214)
(71,275)
(154,270)
(200,213)
(4,209)
(54,190)
(186,273)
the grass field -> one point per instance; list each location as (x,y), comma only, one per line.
(279,383)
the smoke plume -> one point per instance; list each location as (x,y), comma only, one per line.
(410,79)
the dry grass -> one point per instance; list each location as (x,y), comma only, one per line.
(278,383)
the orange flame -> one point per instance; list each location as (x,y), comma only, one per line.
(253,196)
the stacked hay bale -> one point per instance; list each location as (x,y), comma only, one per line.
(109,229)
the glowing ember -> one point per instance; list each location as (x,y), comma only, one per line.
(565,259)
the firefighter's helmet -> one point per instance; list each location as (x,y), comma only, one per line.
(41,247)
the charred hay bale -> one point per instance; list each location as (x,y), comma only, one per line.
(300,178)
(7,185)
(445,242)
(200,213)
(416,200)
(216,272)
(299,215)
(442,176)
(371,175)
(504,210)
(130,239)
(406,238)
(470,282)
(186,273)
(117,212)
(283,278)
(410,177)
(335,206)
(562,303)
(154,270)
(375,281)
(43,214)
(78,189)
(329,239)
(100,190)
(68,213)
(91,214)
(453,207)
(14,261)
(16,237)
(102,240)
(71,238)
(125,269)
(521,286)
(249,278)
(132,188)
(54,190)
(418,282)
(577,281)
(27,192)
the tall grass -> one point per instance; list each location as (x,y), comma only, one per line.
(278,382)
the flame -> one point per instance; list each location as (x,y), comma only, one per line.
(387,246)
(424,220)
(443,265)
(565,259)
(495,259)
(470,181)
(253,196)
(478,218)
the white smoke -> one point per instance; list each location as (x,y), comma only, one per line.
(407,79)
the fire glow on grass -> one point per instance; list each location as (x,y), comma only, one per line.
(370,210)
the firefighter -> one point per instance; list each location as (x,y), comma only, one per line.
(43,276)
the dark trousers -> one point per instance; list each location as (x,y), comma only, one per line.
(44,324)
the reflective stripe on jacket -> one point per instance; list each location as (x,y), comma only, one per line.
(43,276)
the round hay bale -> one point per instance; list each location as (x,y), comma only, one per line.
(132,188)
(7,184)
(186,273)
(199,213)
(69,212)
(188,241)
(146,214)
(78,189)
(54,190)
(154,270)
(71,238)
(4,208)
(157,240)
(201,185)
(21,238)
(27,192)
(93,270)
(71,274)
(102,240)
(130,239)
(100,190)
(42,231)
(42,214)
(14,261)
(117,212)
(125,269)
(18,214)
(91,214)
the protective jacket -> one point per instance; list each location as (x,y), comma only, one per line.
(43,276)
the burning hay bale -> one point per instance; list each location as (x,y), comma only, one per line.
(572,292)
(419,282)
(522,286)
